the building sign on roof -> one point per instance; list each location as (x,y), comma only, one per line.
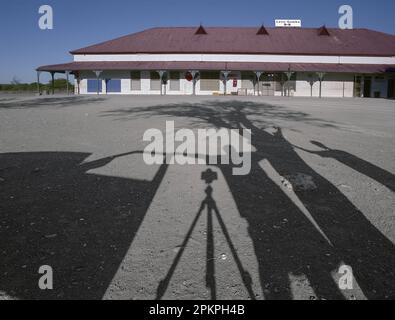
(281,23)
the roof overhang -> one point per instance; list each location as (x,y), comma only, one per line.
(233,66)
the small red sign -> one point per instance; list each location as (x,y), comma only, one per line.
(188,76)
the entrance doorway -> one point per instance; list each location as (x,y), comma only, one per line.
(267,85)
(367,88)
(391,88)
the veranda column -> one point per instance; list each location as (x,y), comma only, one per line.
(38,82)
(282,85)
(258,75)
(53,82)
(77,77)
(67,82)
(98,73)
(226,75)
(362,86)
(161,75)
(311,83)
(194,73)
(321,76)
(289,76)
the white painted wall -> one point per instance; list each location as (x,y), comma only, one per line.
(186,87)
(236,58)
(334,85)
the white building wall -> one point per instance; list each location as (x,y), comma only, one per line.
(186,87)
(236,58)
(84,76)
(333,85)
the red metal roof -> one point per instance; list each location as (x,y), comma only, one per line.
(298,41)
(232,66)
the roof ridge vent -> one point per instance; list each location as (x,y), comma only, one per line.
(201,30)
(262,31)
(323,31)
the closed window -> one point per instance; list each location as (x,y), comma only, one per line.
(209,81)
(247,80)
(135,77)
(93,85)
(155,81)
(113,85)
(174,81)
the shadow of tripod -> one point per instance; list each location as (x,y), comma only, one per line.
(209,177)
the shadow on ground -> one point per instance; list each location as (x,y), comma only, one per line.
(53,212)
(286,242)
(53,102)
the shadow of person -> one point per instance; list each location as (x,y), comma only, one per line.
(364,167)
(53,212)
(356,240)
(286,242)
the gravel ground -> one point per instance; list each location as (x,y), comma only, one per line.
(75,194)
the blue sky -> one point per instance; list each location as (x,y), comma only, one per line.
(78,23)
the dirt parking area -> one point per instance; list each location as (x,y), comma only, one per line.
(76,195)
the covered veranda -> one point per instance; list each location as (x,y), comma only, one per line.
(283,71)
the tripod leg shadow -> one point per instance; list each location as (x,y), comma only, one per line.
(211,205)
(163,284)
(245,276)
